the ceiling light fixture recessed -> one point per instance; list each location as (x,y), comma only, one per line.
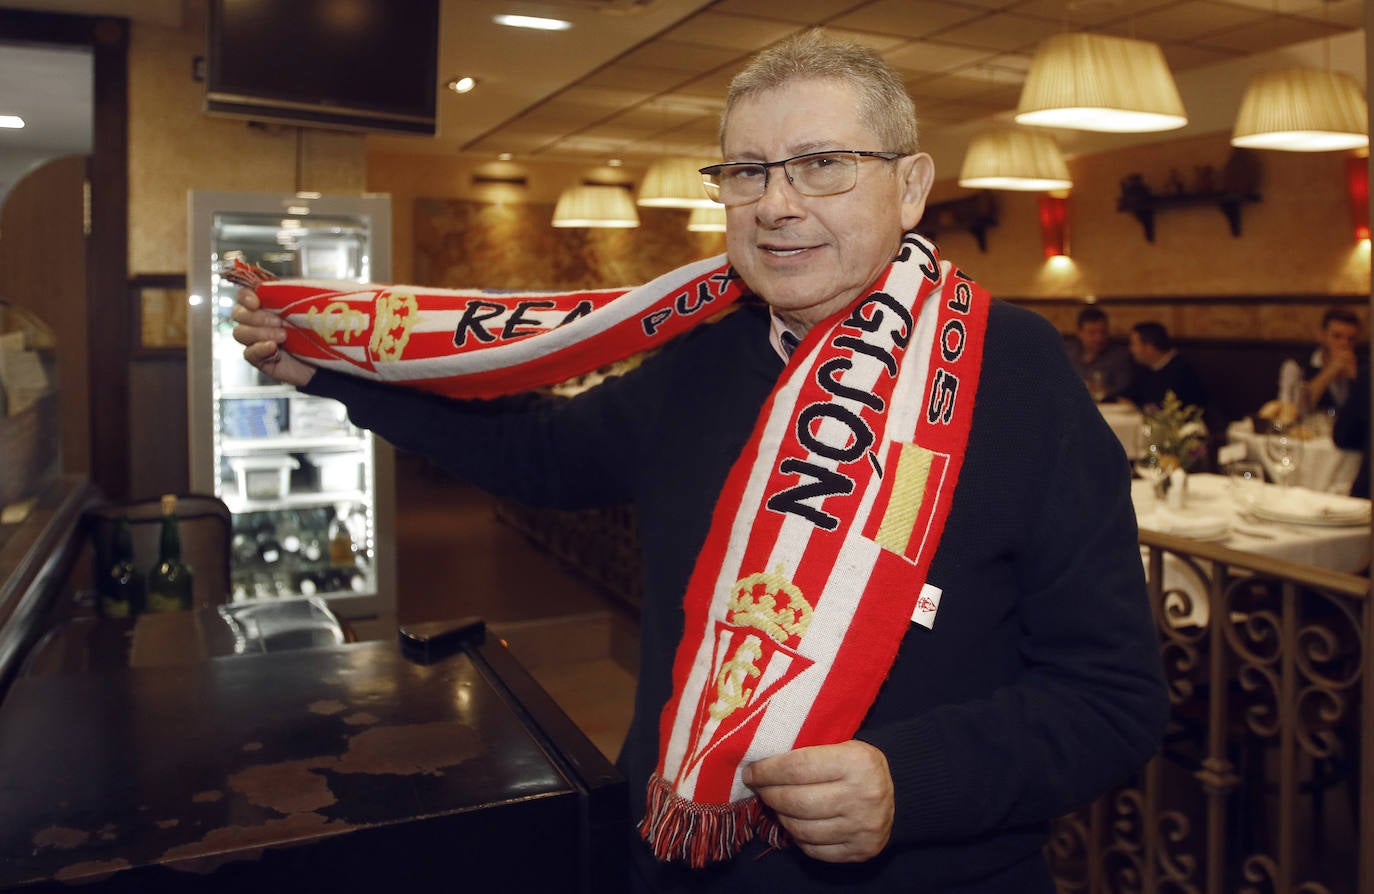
(536,23)
(461,85)
(11,121)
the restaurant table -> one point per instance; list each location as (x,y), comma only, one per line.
(365,766)
(1323,466)
(1294,524)
(1125,421)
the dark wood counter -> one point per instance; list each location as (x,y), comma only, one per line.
(347,766)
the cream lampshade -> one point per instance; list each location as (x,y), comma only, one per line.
(595,206)
(707,220)
(675,183)
(1101,83)
(1014,159)
(1302,110)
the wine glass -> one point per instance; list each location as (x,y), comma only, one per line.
(1151,466)
(1283,450)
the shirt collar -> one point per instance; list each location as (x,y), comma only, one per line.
(781,336)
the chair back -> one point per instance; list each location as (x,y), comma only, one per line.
(205,526)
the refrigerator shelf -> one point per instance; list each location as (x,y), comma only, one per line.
(288,444)
(238,504)
(238,391)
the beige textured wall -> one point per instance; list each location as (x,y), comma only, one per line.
(1296,241)
(175,147)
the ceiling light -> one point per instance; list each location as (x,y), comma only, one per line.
(1014,159)
(12,121)
(1101,83)
(461,85)
(1302,110)
(504,156)
(595,206)
(707,220)
(537,23)
(675,183)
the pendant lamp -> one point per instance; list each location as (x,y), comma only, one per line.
(1100,83)
(595,206)
(1014,159)
(707,220)
(1302,110)
(675,183)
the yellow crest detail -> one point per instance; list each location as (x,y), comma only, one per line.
(730,691)
(769,602)
(336,323)
(395,311)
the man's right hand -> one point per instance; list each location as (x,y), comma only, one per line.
(261,333)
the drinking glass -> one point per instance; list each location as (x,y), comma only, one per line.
(1283,449)
(1247,478)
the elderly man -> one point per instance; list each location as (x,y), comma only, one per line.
(895,618)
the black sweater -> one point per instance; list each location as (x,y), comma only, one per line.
(1037,690)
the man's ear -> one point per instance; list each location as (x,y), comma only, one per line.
(919,176)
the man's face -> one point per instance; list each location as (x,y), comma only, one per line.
(1093,335)
(1139,350)
(810,256)
(1339,336)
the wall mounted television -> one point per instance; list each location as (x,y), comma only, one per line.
(344,64)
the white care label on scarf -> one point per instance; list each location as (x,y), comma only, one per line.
(926,606)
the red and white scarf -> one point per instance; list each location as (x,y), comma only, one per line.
(817,556)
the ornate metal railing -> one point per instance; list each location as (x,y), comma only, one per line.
(1257,786)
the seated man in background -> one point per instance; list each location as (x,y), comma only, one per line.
(1104,365)
(1324,381)
(1161,369)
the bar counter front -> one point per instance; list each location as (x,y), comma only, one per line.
(432,760)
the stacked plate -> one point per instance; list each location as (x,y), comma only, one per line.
(1298,505)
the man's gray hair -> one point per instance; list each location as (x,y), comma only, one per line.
(884,103)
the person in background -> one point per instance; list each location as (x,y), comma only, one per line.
(1103,365)
(1161,369)
(1325,380)
(1037,688)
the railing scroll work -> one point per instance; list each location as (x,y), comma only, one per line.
(1257,786)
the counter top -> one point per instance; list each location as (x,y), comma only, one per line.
(373,769)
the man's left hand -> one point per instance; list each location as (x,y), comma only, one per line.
(834,800)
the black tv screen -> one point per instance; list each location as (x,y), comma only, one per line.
(346,64)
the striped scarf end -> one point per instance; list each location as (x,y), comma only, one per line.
(679,830)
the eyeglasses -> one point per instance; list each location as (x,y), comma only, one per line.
(811,174)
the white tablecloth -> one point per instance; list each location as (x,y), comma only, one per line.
(1323,467)
(1125,422)
(1215,515)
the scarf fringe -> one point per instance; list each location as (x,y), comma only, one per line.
(677,829)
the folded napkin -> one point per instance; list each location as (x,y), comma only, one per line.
(1298,503)
(1195,525)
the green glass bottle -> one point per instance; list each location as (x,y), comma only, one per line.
(169,582)
(121,588)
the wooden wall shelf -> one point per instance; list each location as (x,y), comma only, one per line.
(1145,206)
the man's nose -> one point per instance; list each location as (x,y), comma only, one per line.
(780,198)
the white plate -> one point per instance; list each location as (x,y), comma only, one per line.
(1311,508)
(1206,486)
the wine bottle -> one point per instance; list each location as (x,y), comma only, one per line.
(121,588)
(169,582)
(341,552)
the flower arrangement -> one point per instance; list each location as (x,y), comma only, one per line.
(1175,434)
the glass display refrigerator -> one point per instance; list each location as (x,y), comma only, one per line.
(312,495)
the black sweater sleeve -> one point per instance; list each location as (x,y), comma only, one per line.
(560,452)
